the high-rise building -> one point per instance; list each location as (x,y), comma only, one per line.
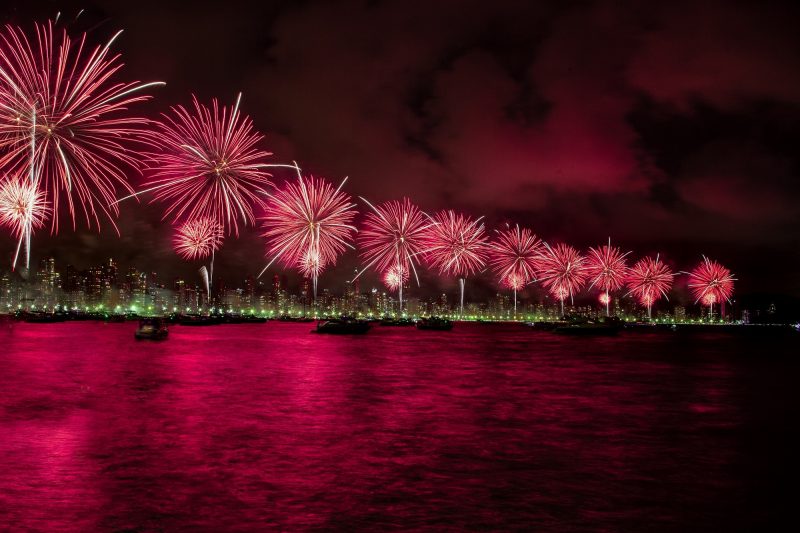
(6,294)
(179,293)
(94,285)
(745,316)
(249,294)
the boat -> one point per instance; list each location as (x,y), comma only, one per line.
(547,325)
(603,326)
(397,322)
(199,320)
(154,329)
(253,319)
(289,318)
(346,326)
(41,317)
(243,319)
(434,323)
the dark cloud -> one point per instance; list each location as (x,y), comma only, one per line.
(725,54)
(671,127)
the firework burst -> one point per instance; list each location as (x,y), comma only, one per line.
(308,225)
(648,280)
(392,238)
(63,122)
(23,209)
(514,256)
(22,206)
(207,164)
(711,283)
(456,245)
(604,299)
(606,269)
(562,271)
(514,282)
(395,277)
(198,239)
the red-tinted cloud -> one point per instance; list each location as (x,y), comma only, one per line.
(724,54)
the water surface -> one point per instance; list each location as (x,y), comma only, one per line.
(246,427)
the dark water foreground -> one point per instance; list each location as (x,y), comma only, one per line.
(258,427)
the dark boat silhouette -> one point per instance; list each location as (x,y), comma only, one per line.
(397,322)
(546,325)
(243,319)
(434,323)
(38,317)
(342,326)
(154,329)
(200,320)
(289,318)
(602,326)
(253,319)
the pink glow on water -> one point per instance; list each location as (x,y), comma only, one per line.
(243,427)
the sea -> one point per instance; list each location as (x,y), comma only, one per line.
(488,427)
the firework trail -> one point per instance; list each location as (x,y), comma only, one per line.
(606,269)
(204,276)
(206,164)
(394,278)
(308,224)
(562,271)
(456,245)
(516,283)
(198,239)
(711,283)
(514,256)
(648,280)
(391,238)
(22,210)
(63,121)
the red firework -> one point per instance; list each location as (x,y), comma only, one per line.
(514,282)
(198,239)
(392,236)
(308,225)
(63,121)
(514,256)
(22,206)
(562,271)
(711,282)
(395,277)
(207,164)
(648,280)
(455,244)
(606,269)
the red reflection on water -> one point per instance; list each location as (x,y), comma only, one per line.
(494,427)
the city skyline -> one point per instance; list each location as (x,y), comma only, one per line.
(109,288)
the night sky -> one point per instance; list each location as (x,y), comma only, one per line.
(672,129)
